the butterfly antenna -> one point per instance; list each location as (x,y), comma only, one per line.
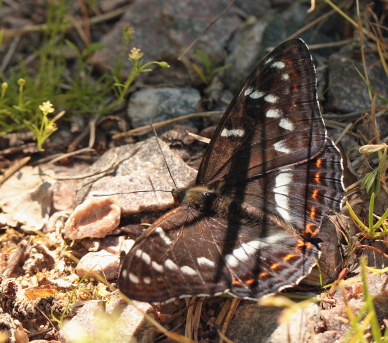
(164,157)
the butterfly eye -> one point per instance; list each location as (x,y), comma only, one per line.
(178,195)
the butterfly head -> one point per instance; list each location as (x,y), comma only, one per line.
(198,197)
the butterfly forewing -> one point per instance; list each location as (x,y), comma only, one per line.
(274,121)
(268,177)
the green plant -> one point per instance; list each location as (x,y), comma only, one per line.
(138,67)
(366,318)
(38,123)
(206,73)
(372,181)
(76,92)
(372,228)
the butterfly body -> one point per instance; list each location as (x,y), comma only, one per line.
(269,176)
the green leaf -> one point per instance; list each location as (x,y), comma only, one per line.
(205,59)
(92,48)
(217,70)
(200,73)
(73,47)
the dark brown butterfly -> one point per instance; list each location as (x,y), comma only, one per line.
(269,176)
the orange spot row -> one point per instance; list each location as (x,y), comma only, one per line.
(289,257)
(275,265)
(315,194)
(319,163)
(317,177)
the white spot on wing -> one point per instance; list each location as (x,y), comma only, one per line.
(282,192)
(285,77)
(170,265)
(276,238)
(188,270)
(231,260)
(205,262)
(242,254)
(147,280)
(273,113)
(271,98)
(281,147)
(269,60)
(163,235)
(232,133)
(133,278)
(278,65)
(248,91)
(283,179)
(158,267)
(144,256)
(286,124)
(256,95)
(124,273)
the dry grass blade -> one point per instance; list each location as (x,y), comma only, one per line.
(14,168)
(42,27)
(147,128)
(232,309)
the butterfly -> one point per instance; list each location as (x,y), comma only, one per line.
(270,174)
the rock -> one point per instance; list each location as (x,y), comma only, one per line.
(158,104)
(140,170)
(94,218)
(245,52)
(347,91)
(172,25)
(101,262)
(119,323)
(259,324)
(26,199)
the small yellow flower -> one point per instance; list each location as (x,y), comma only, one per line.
(4,86)
(46,107)
(21,82)
(129,31)
(135,54)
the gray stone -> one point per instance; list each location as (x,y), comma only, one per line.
(158,104)
(347,91)
(102,262)
(171,26)
(117,322)
(246,52)
(259,324)
(139,170)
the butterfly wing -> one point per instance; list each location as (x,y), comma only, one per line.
(274,121)
(275,175)
(301,194)
(181,254)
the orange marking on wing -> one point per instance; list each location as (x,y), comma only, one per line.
(236,283)
(311,229)
(263,274)
(275,265)
(302,246)
(250,281)
(313,212)
(317,177)
(319,163)
(289,257)
(315,194)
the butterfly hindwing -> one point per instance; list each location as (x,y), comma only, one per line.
(181,255)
